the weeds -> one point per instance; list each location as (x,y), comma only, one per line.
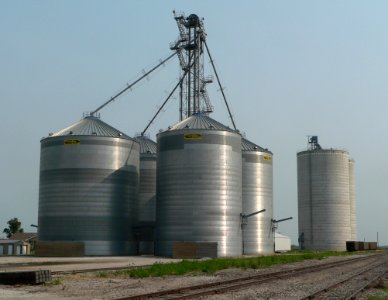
(102,274)
(213,265)
(56,281)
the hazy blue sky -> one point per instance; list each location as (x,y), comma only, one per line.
(290,68)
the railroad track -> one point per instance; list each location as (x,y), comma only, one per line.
(225,286)
(362,279)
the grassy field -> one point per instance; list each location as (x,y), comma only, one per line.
(213,265)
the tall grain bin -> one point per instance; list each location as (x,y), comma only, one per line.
(352,196)
(257,194)
(88,188)
(199,186)
(323,199)
(147,194)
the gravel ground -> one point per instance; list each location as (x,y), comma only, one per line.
(90,286)
(301,286)
(54,264)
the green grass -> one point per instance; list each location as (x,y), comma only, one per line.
(378,298)
(213,265)
(102,274)
(55,281)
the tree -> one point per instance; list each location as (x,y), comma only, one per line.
(14,226)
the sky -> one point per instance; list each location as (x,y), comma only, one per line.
(290,69)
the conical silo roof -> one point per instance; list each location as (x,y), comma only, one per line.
(147,146)
(200,121)
(90,126)
(250,146)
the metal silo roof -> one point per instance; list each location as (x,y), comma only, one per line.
(90,126)
(200,121)
(147,146)
(249,146)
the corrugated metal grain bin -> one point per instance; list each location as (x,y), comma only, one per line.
(323,199)
(199,186)
(88,188)
(147,194)
(257,194)
(352,199)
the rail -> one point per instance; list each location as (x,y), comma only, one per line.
(220,287)
(360,287)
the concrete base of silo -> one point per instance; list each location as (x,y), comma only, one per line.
(59,249)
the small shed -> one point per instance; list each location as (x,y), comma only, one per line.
(13,247)
(21,243)
(282,243)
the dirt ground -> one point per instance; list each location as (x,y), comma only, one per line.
(102,285)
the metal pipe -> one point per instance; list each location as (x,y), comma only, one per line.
(252,214)
(132,84)
(281,220)
(164,103)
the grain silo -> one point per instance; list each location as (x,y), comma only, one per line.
(352,197)
(323,198)
(88,188)
(147,194)
(199,186)
(257,194)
